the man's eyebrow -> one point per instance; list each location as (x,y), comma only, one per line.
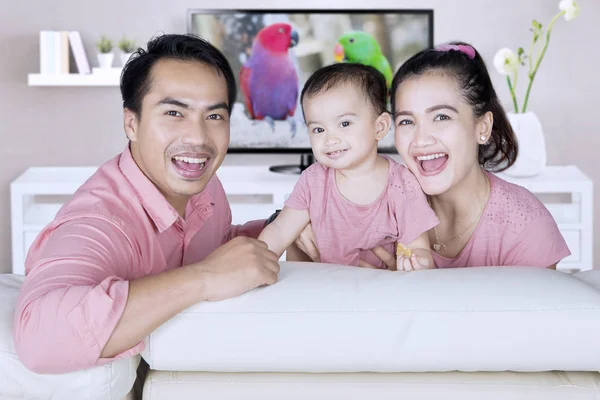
(173,102)
(217,106)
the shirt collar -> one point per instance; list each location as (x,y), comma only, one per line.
(161,212)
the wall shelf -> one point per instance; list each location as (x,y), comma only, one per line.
(95,79)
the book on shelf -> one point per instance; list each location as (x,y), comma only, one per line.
(55,47)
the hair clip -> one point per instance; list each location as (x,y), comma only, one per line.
(465,49)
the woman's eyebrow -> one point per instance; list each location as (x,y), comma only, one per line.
(441,107)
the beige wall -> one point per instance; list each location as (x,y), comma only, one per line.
(82,126)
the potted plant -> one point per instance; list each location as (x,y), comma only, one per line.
(127,47)
(527,127)
(105,55)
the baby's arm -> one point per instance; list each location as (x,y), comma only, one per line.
(282,232)
(415,255)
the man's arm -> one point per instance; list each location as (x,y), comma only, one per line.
(219,276)
(77,306)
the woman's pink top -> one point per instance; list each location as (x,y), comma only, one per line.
(516,229)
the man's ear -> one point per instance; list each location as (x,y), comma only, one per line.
(383,124)
(484,127)
(131,124)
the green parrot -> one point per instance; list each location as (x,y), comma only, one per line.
(362,48)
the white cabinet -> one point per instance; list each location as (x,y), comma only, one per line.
(255,193)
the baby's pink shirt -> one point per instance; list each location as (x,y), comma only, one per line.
(516,229)
(345,232)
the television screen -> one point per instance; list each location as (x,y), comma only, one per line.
(273,52)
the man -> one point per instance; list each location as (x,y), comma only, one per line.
(148,235)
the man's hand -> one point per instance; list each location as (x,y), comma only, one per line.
(238,266)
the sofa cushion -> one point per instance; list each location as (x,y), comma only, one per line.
(163,385)
(110,381)
(325,318)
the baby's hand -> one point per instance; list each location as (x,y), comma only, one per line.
(409,260)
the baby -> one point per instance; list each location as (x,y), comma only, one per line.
(354,198)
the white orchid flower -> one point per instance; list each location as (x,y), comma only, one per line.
(506,62)
(570,7)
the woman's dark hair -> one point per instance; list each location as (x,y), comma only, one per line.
(463,63)
(367,79)
(136,79)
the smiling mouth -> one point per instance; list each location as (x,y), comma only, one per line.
(431,164)
(190,163)
(332,153)
(190,167)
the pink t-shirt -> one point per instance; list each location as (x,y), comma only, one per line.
(516,229)
(345,232)
(117,227)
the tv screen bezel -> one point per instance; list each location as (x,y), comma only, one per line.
(299,150)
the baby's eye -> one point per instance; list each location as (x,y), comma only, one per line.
(345,124)
(405,122)
(318,130)
(174,113)
(441,117)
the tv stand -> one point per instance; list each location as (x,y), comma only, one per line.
(306,160)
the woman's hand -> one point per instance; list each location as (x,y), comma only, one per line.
(307,243)
(388,259)
(415,262)
(419,259)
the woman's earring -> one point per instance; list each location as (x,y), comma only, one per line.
(482,138)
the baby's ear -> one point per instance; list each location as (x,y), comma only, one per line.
(383,124)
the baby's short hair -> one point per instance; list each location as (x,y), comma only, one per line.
(365,78)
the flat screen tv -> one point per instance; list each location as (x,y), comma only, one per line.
(260,44)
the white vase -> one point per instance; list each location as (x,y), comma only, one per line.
(125,57)
(531,159)
(105,60)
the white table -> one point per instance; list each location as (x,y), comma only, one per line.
(254,193)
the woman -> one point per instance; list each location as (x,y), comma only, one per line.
(451,132)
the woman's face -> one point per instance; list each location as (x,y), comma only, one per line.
(436,131)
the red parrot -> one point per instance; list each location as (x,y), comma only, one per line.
(268,79)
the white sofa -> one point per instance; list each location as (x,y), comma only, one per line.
(330,332)
(113,381)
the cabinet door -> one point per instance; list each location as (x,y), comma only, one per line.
(573,239)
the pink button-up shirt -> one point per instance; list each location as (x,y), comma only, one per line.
(117,227)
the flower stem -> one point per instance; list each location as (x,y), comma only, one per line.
(512,94)
(539,60)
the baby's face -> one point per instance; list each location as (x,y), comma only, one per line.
(343,127)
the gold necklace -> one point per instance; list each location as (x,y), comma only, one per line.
(439,246)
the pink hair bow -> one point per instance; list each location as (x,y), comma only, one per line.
(465,49)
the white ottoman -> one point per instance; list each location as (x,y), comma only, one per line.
(328,332)
(111,381)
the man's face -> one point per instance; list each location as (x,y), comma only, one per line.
(181,137)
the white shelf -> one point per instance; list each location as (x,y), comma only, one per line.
(37,216)
(254,192)
(98,79)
